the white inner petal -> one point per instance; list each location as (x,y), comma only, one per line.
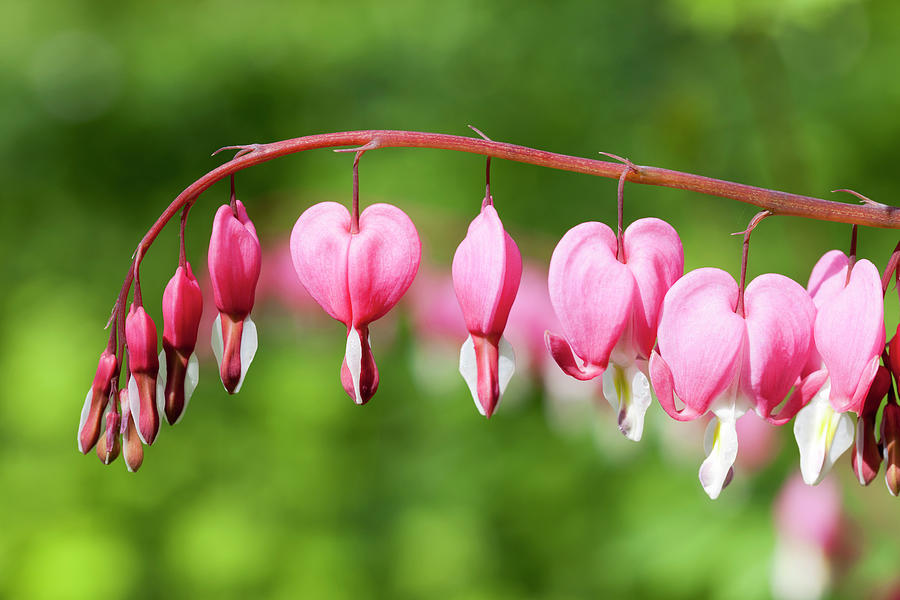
(822,435)
(218,344)
(721,445)
(627,390)
(353,357)
(468,368)
(84,415)
(134,399)
(192,377)
(249,344)
(506,365)
(161,378)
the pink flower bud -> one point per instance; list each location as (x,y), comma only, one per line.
(234,265)
(487,268)
(179,372)
(96,400)
(866,452)
(132,449)
(356,277)
(890,438)
(143,362)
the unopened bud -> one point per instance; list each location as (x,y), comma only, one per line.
(132,449)
(182,308)
(97,398)
(866,457)
(890,439)
(140,335)
(108,446)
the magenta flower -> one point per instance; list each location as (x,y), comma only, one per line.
(609,309)
(890,439)
(849,339)
(356,277)
(143,362)
(179,368)
(234,265)
(713,359)
(486,270)
(96,401)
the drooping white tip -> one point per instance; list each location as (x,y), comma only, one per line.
(628,391)
(468,368)
(721,445)
(249,345)
(822,435)
(85,410)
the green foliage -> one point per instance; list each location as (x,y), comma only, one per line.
(288,490)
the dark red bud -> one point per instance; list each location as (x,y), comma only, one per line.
(890,439)
(98,397)
(108,446)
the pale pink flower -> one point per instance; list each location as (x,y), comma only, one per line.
(609,309)
(849,340)
(712,358)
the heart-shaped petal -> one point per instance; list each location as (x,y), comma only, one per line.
(320,244)
(591,292)
(702,341)
(654,255)
(849,336)
(382,261)
(779,315)
(487,267)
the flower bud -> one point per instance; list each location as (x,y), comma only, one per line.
(234,266)
(866,453)
(179,372)
(132,449)
(140,336)
(487,269)
(890,439)
(97,398)
(108,446)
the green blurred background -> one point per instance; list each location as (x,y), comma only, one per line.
(109,109)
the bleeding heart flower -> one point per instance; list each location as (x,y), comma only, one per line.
(849,340)
(234,265)
(143,362)
(712,358)
(356,277)
(179,368)
(96,401)
(487,268)
(609,309)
